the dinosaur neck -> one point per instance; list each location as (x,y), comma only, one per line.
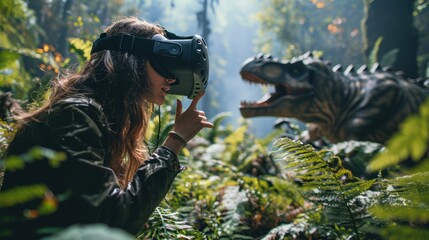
(349,102)
(336,102)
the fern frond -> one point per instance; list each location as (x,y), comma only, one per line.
(402,193)
(325,182)
(403,206)
(167,224)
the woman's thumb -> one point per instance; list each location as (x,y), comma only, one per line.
(178,108)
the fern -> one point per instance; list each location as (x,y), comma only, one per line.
(403,202)
(210,203)
(6,132)
(219,196)
(167,224)
(325,182)
(356,156)
(404,206)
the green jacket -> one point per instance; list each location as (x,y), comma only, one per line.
(87,189)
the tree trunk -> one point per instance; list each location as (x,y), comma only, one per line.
(62,41)
(392,21)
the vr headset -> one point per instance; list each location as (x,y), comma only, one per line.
(185,59)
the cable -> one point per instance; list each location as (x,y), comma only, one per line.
(158,135)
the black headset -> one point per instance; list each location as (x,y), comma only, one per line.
(185,59)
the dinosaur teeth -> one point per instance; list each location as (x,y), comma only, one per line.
(245,104)
(264,98)
(250,78)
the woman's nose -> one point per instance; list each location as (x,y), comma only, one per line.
(170,81)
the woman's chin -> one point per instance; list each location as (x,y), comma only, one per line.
(159,101)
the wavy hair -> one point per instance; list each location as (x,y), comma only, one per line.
(119,82)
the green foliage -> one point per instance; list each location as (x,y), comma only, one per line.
(356,155)
(411,141)
(374,52)
(81,48)
(38,193)
(90,232)
(290,28)
(6,132)
(231,190)
(16,23)
(13,163)
(403,201)
(326,183)
(389,58)
(21,195)
(7,58)
(162,123)
(421,5)
(167,224)
(218,130)
(403,207)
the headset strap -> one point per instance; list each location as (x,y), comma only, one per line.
(127,43)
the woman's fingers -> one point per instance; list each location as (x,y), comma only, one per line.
(207,124)
(178,108)
(196,100)
(191,121)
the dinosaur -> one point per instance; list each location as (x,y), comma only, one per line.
(363,105)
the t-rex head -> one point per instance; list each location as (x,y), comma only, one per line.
(366,105)
(297,83)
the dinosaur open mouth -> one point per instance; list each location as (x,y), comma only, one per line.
(281,91)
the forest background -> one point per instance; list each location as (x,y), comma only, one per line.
(222,196)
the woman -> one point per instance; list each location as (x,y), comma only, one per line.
(99,118)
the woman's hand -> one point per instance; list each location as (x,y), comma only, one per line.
(187,124)
(190,122)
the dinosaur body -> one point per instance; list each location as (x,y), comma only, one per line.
(363,106)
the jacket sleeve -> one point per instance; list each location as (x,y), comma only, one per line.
(94,188)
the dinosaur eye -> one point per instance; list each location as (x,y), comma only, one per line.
(297,69)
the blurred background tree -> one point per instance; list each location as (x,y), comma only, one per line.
(346,32)
(385,20)
(330,26)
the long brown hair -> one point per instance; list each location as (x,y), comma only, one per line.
(119,82)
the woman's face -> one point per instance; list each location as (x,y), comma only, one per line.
(159,85)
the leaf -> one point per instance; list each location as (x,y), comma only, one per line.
(404,232)
(21,194)
(7,58)
(374,53)
(81,47)
(389,58)
(411,141)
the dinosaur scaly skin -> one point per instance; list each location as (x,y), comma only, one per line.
(363,106)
